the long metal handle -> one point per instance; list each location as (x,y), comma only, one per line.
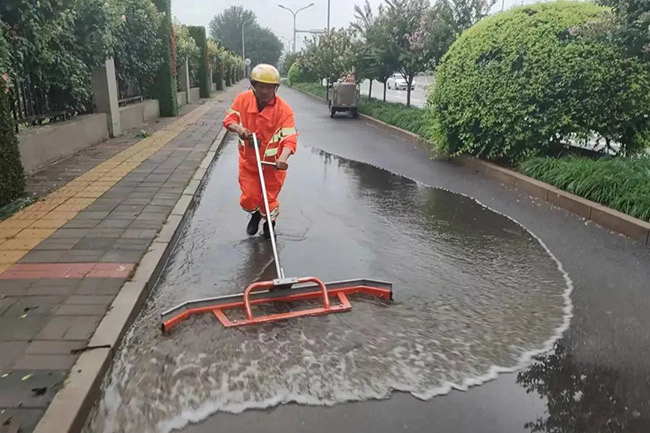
(269,222)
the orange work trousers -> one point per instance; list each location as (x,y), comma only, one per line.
(251,199)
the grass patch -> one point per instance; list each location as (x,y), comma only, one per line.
(619,183)
(413,119)
(312,88)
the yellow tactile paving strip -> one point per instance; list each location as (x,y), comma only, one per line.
(26,229)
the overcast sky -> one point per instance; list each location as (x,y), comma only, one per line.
(200,12)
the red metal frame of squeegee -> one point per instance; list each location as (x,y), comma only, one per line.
(246,303)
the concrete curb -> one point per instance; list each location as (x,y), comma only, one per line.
(605,217)
(71,405)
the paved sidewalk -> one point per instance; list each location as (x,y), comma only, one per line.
(64,258)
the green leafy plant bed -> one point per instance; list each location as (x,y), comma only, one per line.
(415,120)
(311,88)
(619,183)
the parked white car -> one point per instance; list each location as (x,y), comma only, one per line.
(397,81)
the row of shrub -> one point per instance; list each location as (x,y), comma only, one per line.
(518,87)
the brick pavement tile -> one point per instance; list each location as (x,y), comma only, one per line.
(45,362)
(111,270)
(163,202)
(122,215)
(15,245)
(10,351)
(81,310)
(103,300)
(69,328)
(16,390)
(92,215)
(140,234)
(60,282)
(12,256)
(50,290)
(69,233)
(153,217)
(169,196)
(81,256)
(81,224)
(12,287)
(158,209)
(33,305)
(57,244)
(122,256)
(139,225)
(42,256)
(91,243)
(14,329)
(6,303)
(25,418)
(110,232)
(100,286)
(115,224)
(136,201)
(53,347)
(130,208)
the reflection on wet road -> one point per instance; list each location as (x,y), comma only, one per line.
(473,290)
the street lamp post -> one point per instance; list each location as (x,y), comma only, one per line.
(243,44)
(294,21)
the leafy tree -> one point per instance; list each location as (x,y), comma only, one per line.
(262,45)
(406,37)
(138,49)
(375,60)
(12,180)
(287,60)
(330,55)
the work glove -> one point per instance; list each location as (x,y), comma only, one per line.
(281,165)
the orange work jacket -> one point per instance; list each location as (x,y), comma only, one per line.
(274,125)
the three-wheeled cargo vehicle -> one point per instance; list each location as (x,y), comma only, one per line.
(343,96)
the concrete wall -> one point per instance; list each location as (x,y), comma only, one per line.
(195,95)
(213,87)
(134,115)
(43,145)
(181,98)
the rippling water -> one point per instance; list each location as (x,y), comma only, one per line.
(475,293)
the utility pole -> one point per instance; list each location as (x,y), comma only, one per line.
(294,20)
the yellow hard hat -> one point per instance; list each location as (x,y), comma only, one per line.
(264,73)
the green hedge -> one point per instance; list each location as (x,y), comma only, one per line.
(198,34)
(523,81)
(620,183)
(312,88)
(413,119)
(12,179)
(165,87)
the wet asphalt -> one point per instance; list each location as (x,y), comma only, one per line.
(362,205)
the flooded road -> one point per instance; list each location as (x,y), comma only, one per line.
(475,293)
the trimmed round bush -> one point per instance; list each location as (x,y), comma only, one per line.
(524,81)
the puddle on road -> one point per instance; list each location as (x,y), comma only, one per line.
(473,291)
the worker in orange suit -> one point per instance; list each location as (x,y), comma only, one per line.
(261,111)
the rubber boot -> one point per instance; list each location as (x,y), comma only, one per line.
(254,223)
(267,234)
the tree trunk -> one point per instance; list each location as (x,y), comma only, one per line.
(384,91)
(408,90)
(370,90)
